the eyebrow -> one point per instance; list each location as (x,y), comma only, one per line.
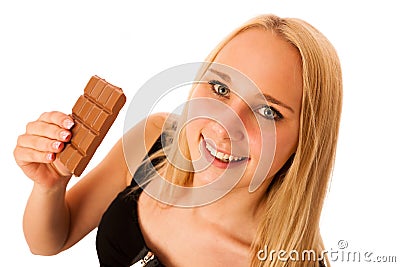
(223,76)
(271,99)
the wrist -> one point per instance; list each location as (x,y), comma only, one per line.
(52,186)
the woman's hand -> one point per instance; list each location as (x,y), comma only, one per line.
(36,148)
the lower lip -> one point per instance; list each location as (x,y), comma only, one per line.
(216,162)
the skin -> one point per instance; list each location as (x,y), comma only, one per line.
(220,233)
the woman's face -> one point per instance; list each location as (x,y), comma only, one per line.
(239,133)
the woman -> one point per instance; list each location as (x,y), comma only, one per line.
(297,71)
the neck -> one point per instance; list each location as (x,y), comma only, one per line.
(237,212)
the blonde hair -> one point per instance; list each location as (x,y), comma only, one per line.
(297,192)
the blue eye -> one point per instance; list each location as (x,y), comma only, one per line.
(219,88)
(269,113)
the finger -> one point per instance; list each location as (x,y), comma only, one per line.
(40,143)
(25,155)
(57,118)
(48,130)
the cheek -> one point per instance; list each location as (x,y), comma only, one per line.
(193,130)
(195,125)
(286,144)
(286,139)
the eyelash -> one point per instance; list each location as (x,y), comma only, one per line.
(215,89)
(216,85)
(276,114)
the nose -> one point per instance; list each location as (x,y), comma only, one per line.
(228,128)
(228,120)
(230,123)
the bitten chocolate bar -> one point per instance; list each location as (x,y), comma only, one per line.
(93,114)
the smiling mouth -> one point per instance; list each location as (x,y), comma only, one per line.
(222,156)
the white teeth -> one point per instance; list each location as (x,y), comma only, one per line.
(211,149)
(222,156)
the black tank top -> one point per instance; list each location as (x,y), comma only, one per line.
(119,240)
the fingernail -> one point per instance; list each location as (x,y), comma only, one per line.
(64,135)
(50,156)
(68,124)
(56,145)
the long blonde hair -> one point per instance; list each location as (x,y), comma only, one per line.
(297,192)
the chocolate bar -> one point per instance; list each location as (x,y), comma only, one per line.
(93,113)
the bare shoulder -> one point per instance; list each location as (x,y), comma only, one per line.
(139,139)
(157,120)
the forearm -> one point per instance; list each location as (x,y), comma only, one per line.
(46,220)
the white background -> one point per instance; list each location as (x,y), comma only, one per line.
(49,50)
